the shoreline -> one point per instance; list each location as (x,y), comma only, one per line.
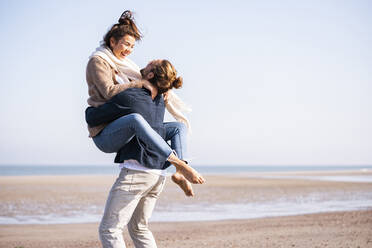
(11,171)
(78,199)
(333,229)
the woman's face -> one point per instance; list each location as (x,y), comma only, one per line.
(122,47)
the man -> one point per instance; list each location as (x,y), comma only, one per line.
(133,196)
(162,74)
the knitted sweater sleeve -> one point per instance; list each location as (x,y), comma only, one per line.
(101,76)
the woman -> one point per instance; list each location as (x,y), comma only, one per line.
(109,72)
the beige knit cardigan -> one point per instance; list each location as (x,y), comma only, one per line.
(102,86)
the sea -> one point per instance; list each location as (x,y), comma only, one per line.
(37,170)
(315,202)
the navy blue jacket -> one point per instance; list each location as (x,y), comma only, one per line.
(139,101)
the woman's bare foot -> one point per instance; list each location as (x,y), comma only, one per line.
(185,185)
(187,171)
(191,175)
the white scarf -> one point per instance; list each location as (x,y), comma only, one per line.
(127,70)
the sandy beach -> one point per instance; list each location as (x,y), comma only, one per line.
(63,195)
(341,229)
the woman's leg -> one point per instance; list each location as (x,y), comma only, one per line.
(119,132)
(176,133)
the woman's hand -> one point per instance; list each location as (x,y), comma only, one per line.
(147,85)
(166,95)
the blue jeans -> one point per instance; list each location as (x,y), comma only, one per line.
(176,133)
(119,132)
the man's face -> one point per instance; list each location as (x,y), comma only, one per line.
(147,71)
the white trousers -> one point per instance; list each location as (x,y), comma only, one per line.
(131,201)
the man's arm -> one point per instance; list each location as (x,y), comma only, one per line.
(127,102)
(120,105)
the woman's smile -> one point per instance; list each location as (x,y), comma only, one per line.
(123,47)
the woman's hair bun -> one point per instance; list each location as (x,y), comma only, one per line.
(126,17)
(177,83)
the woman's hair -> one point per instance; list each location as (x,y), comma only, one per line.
(165,77)
(125,26)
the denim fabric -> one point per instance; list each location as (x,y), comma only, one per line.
(140,137)
(176,133)
(119,133)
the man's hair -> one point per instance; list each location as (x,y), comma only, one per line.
(165,77)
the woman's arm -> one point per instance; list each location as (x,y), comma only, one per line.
(101,75)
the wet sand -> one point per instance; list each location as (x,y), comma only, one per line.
(52,192)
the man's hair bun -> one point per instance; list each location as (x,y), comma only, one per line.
(177,83)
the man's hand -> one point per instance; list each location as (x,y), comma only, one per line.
(147,85)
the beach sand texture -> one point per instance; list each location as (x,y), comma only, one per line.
(335,230)
(30,195)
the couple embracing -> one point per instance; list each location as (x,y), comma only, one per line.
(126,117)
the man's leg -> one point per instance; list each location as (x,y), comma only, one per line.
(123,199)
(119,208)
(138,225)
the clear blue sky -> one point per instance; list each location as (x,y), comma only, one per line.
(270,82)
